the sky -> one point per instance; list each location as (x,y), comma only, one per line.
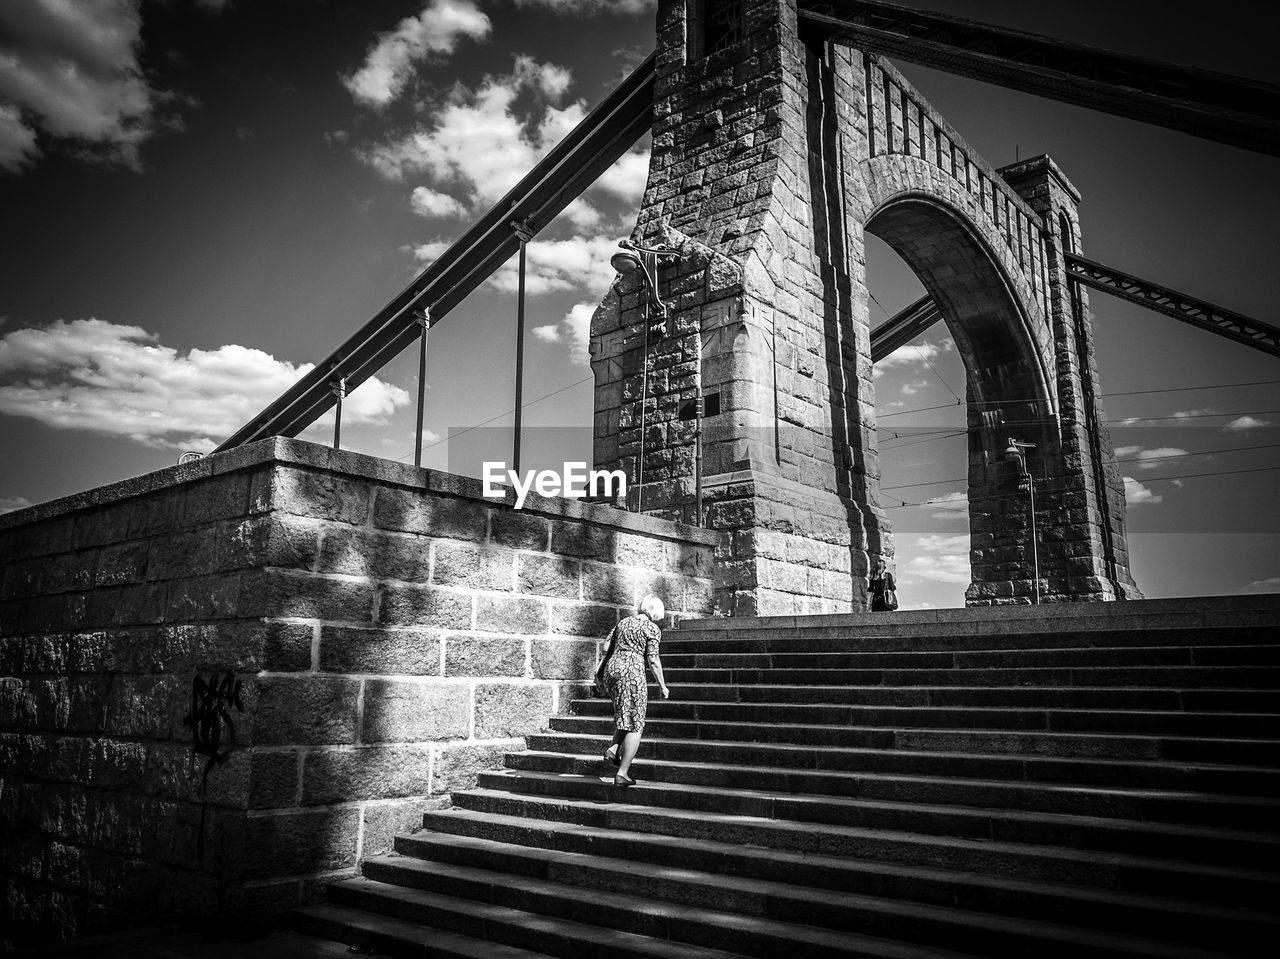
(200,198)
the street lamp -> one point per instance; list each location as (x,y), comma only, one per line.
(644,260)
(1013,453)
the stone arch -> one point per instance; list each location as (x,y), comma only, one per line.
(1009,377)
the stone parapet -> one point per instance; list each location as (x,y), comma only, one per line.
(225,683)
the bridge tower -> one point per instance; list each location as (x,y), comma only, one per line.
(773,154)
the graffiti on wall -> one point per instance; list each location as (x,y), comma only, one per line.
(213,729)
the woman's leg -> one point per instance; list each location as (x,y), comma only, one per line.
(630,743)
(613,746)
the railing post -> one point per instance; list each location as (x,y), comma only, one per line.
(424,320)
(339,388)
(525,234)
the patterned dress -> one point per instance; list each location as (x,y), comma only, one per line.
(635,641)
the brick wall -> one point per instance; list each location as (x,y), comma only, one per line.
(380,634)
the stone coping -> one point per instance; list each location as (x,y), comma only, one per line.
(294,452)
(1196,610)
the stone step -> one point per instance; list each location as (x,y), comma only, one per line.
(371,933)
(608,923)
(1192,612)
(553,884)
(518,844)
(1250,752)
(1078,697)
(942,638)
(689,655)
(1206,777)
(1230,725)
(1235,848)
(1190,677)
(1150,805)
(1141,875)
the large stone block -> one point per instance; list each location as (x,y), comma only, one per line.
(474,567)
(306,709)
(358,552)
(608,584)
(308,596)
(469,654)
(383,821)
(425,606)
(583,619)
(403,652)
(506,710)
(303,492)
(341,774)
(457,765)
(402,711)
(274,779)
(563,658)
(285,843)
(519,530)
(549,576)
(417,512)
(268,540)
(511,614)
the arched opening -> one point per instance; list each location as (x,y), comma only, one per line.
(1007,395)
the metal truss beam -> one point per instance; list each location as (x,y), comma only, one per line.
(1180,306)
(1215,106)
(903,327)
(604,135)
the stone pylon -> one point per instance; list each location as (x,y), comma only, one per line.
(772,155)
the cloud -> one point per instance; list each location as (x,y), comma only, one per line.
(118,380)
(578,263)
(943,559)
(574,329)
(577,329)
(433,34)
(627,177)
(1135,493)
(914,387)
(1146,459)
(910,355)
(476,143)
(432,204)
(1179,418)
(951,506)
(10,504)
(1244,423)
(1271,585)
(591,8)
(71,71)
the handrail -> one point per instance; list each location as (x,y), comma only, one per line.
(604,135)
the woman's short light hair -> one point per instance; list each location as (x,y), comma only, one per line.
(652,607)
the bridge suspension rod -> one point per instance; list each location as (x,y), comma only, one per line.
(1216,106)
(903,327)
(1181,306)
(604,135)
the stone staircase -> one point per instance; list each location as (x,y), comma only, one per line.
(1096,781)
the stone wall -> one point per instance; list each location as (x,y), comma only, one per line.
(363,637)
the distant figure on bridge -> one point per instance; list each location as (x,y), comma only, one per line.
(882,590)
(633,642)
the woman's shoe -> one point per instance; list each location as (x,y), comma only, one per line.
(621,779)
(613,759)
